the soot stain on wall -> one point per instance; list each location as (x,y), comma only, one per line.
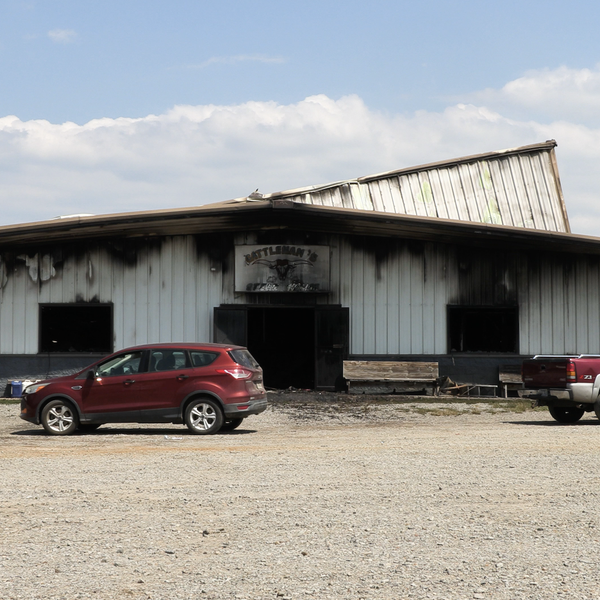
(216,247)
(383,249)
(486,278)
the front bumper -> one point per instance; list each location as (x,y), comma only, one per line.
(244,409)
(28,413)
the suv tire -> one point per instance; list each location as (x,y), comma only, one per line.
(59,418)
(203,416)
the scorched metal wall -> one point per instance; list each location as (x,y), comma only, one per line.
(397,291)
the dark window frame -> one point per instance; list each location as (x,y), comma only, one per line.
(481,324)
(107,328)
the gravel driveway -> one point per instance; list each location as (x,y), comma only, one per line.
(311,499)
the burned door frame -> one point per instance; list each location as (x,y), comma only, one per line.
(331,336)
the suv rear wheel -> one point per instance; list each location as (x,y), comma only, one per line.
(59,418)
(203,416)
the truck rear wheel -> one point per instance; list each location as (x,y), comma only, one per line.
(564,414)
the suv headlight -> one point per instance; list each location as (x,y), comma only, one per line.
(36,387)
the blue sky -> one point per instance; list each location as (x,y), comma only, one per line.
(110,106)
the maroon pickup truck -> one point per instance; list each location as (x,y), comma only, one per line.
(568,385)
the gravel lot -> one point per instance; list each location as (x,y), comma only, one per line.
(312,499)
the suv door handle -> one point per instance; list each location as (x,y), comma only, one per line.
(182,377)
(129,381)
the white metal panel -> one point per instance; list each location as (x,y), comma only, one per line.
(141,316)
(190,275)
(356,301)
(212,282)
(380,306)
(429,298)
(6,315)
(392,304)
(368,280)
(126,306)
(405,319)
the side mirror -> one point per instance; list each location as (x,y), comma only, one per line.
(91,374)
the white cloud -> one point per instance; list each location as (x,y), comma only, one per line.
(62,36)
(548,94)
(193,155)
(232,60)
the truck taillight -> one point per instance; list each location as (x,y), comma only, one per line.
(571,371)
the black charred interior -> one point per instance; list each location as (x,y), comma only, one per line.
(79,328)
(483,329)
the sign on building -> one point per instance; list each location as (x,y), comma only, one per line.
(282,268)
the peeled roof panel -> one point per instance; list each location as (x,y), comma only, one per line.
(517,187)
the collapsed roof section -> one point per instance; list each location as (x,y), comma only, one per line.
(519,187)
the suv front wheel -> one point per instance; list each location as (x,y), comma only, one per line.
(203,416)
(59,418)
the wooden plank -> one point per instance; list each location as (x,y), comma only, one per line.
(365,370)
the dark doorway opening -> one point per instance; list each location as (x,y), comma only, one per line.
(283,342)
(301,347)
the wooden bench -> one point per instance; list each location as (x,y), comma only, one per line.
(389,377)
(510,378)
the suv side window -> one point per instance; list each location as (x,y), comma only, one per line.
(123,364)
(202,359)
(168,360)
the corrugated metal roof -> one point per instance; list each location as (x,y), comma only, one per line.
(519,187)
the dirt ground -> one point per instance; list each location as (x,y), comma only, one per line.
(319,497)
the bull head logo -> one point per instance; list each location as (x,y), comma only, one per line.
(283,266)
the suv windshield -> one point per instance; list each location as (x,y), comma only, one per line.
(244,358)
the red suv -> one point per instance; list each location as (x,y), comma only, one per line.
(209,387)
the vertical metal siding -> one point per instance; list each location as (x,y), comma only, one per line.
(397,304)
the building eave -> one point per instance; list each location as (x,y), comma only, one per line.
(286,215)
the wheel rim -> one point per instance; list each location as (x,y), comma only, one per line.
(203,416)
(60,418)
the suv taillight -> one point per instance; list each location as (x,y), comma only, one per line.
(571,371)
(237,372)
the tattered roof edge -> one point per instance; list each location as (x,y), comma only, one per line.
(517,187)
(547,145)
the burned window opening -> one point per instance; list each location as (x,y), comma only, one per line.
(483,329)
(76,328)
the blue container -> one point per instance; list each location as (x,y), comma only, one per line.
(16,388)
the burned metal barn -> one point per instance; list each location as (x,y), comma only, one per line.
(469,263)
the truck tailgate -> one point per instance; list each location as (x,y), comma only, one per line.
(545,373)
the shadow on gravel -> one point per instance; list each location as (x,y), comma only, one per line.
(585,423)
(107,431)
